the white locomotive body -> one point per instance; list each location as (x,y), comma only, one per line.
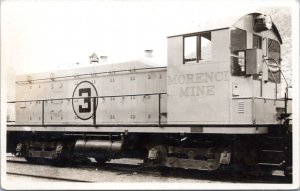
(128,94)
(221,87)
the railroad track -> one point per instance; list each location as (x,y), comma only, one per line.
(136,170)
(45,177)
(38,175)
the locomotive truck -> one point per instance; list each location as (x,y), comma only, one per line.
(216,104)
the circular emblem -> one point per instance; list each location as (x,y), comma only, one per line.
(83,101)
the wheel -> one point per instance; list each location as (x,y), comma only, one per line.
(102,160)
(288,172)
(31,159)
(60,161)
(163,170)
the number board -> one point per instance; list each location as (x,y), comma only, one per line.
(82,100)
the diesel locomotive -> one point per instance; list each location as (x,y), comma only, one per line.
(216,104)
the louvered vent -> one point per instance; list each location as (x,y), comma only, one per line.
(240,107)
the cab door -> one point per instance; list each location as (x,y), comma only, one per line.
(257,43)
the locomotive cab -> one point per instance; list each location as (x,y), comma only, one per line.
(236,68)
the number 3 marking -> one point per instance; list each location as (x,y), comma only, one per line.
(85,100)
(84,91)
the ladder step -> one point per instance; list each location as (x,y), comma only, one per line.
(273,137)
(270,164)
(272,151)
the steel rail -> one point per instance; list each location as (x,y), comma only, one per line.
(219,175)
(46,177)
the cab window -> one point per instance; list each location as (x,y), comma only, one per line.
(274,61)
(238,45)
(190,49)
(197,48)
(257,41)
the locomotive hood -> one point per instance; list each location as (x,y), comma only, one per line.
(88,69)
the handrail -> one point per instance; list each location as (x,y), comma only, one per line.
(273,77)
(287,85)
(279,70)
(93,74)
(70,98)
(95,100)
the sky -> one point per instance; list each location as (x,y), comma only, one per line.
(48,35)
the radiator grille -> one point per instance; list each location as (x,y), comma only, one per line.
(240,107)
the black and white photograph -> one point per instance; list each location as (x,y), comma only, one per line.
(149,95)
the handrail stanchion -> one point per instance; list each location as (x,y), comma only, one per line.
(43,112)
(159,120)
(286,97)
(94,110)
(276,83)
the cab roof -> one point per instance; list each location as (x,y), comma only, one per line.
(224,23)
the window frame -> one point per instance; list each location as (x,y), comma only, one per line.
(183,48)
(197,48)
(234,56)
(261,41)
(270,78)
(245,41)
